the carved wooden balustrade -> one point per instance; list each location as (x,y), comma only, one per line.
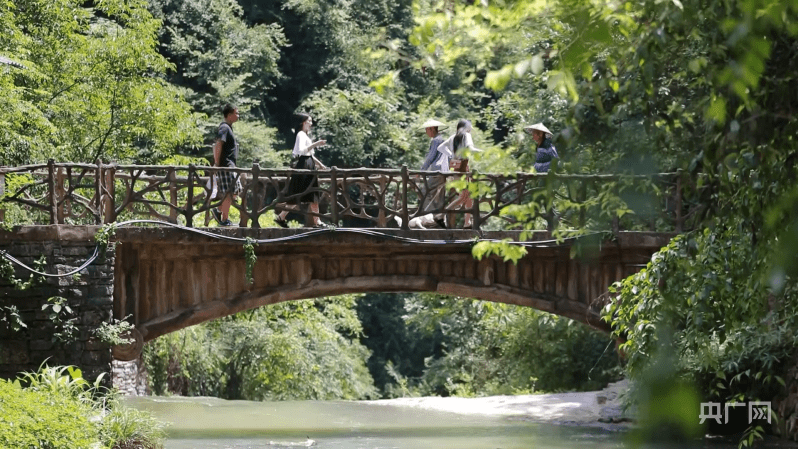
(74,193)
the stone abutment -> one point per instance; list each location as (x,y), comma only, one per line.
(52,320)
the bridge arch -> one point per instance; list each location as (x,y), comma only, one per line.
(166,279)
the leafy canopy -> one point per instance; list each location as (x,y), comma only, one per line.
(92,86)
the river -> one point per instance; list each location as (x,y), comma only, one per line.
(216,423)
(482,423)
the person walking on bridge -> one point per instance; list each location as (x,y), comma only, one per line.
(545,149)
(546,153)
(453,150)
(225,154)
(432,128)
(304,158)
(432,188)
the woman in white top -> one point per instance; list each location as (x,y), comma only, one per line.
(451,154)
(452,160)
(304,159)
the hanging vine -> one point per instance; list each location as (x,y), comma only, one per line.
(103,237)
(11,314)
(249,259)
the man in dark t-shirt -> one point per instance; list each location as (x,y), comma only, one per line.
(225,154)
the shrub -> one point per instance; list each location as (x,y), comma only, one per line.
(44,419)
(58,409)
(127,428)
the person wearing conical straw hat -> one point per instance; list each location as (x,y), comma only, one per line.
(432,128)
(433,185)
(545,149)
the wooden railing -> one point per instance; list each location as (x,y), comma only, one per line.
(56,193)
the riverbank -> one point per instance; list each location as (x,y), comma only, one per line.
(591,408)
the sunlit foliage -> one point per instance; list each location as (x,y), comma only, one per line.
(91,87)
(298,350)
(56,408)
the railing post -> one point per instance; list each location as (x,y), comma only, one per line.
(616,220)
(334,195)
(551,218)
(679,219)
(582,199)
(109,213)
(242,210)
(2,193)
(60,193)
(172,195)
(550,221)
(476,220)
(256,200)
(405,214)
(382,217)
(98,192)
(51,191)
(450,215)
(190,197)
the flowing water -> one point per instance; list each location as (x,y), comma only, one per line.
(216,423)
(198,423)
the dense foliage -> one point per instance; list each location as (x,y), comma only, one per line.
(405,346)
(56,408)
(40,419)
(297,350)
(489,348)
(91,87)
(709,85)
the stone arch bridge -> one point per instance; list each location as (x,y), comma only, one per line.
(163,279)
(166,279)
(176,273)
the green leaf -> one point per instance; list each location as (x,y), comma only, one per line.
(498,80)
(717,110)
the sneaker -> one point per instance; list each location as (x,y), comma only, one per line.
(440,222)
(281,222)
(217,215)
(226,223)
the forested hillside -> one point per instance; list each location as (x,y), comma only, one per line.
(704,87)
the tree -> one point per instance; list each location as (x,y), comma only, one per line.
(289,351)
(91,87)
(398,350)
(221,58)
(659,86)
(490,348)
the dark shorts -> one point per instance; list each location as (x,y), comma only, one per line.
(229,183)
